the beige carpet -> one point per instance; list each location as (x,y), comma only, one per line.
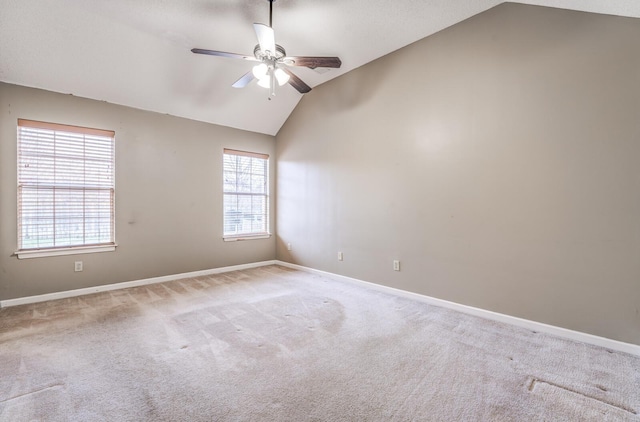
(275,344)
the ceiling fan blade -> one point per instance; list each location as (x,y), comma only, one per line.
(266,38)
(313,62)
(244,80)
(223,54)
(296,82)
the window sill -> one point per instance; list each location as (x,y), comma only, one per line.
(246,237)
(41,253)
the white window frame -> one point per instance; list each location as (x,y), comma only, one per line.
(257,191)
(51,135)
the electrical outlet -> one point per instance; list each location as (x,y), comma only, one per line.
(77,266)
(288,246)
(340,256)
(396,265)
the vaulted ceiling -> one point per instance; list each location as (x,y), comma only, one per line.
(137,53)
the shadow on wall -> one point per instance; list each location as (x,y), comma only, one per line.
(282,252)
(357,88)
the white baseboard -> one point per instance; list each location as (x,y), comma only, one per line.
(620,346)
(632,349)
(125,284)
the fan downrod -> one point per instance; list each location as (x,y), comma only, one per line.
(271,13)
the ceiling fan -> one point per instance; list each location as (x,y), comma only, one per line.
(274,62)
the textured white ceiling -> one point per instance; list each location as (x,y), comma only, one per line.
(137,53)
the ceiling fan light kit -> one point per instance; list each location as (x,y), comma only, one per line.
(268,70)
(274,61)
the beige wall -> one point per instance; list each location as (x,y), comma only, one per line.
(168,195)
(499,160)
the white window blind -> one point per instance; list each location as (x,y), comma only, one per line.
(246,194)
(65,186)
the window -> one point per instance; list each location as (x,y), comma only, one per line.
(65,189)
(246,195)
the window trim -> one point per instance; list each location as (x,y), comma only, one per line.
(254,235)
(65,250)
(247,237)
(74,250)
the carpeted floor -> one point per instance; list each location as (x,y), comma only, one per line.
(275,344)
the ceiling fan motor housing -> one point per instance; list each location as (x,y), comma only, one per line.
(263,55)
